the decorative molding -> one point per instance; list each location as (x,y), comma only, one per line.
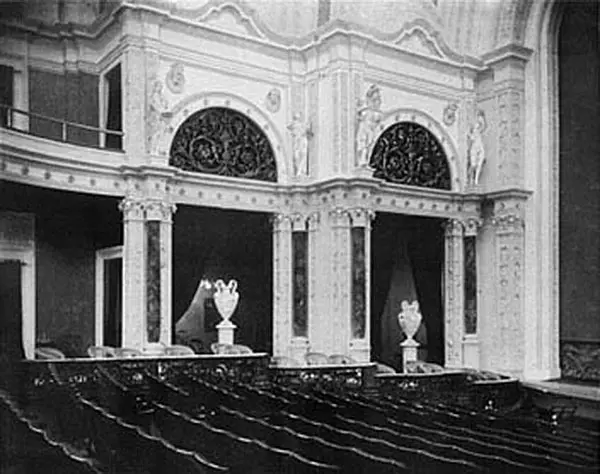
(175,78)
(417,40)
(273,100)
(159,211)
(230,17)
(360,217)
(472,226)
(450,113)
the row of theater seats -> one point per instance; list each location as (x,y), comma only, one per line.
(153,350)
(205,424)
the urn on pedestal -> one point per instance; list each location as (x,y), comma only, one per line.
(226,300)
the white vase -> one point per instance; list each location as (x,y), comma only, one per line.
(410,319)
(226,298)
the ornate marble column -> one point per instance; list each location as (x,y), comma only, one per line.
(471,339)
(507,338)
(454,292)
(360,310)
(340,308)
(282,284)
(159,228)
(134,273)
(300,286)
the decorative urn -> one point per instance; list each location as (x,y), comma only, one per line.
(410,319)
(226,298)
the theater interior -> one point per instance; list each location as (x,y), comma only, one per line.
(312,236)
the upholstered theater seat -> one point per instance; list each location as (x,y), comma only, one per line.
(229,349)
(127,352)
(101,352)
(316,358)
(179,350)
(340,359)
(48,353)
(282,361)
(384,369)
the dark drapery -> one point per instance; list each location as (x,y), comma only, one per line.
(11,314)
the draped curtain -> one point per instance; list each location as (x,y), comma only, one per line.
(11,314)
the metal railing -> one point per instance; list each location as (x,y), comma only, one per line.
(70,132)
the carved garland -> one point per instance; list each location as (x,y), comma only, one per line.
(408,153)
(225,142)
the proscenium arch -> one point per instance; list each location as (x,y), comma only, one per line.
(434,128)
(197,102)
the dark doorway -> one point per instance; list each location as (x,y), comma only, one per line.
(216,244)
(114,111)
(407,255)
(11,314)
(113,289)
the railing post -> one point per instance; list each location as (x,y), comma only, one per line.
(64,131)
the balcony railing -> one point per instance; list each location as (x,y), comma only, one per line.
(60,130)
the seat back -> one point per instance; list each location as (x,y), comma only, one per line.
(229,349)
(48,353)
(127,352)
(101,352)
(179,350)
(340,359)
(316,358)
(282,361)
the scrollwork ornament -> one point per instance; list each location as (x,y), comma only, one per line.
(407,153)
(450,113)
(472,226)
(224,142)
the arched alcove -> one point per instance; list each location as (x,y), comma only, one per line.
(225,142)
(408,153)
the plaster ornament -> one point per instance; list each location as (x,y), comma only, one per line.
(175,78)
(410,319)
(156,119)
(369,117)
(273,100)
(301,131)
(226,298)
(450,114)
(476,150)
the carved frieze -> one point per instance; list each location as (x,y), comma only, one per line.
(407,153)
(225,142)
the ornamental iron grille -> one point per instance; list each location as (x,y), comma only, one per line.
(408,153)
(223,141)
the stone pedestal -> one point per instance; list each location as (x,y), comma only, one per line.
(226,332)
(409,352)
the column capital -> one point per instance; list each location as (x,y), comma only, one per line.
(281,222)
(314,219)
(472,225)
(361,217)
(132,209)
(508,223)
(453,228)
(340,217)
(298,222)
(159,210)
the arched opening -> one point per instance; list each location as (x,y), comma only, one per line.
(579,189)
(407,153)
(225,142)
(407,255)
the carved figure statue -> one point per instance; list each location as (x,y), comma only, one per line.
(369,117)
(155,121)
(301,131)
(476,150)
